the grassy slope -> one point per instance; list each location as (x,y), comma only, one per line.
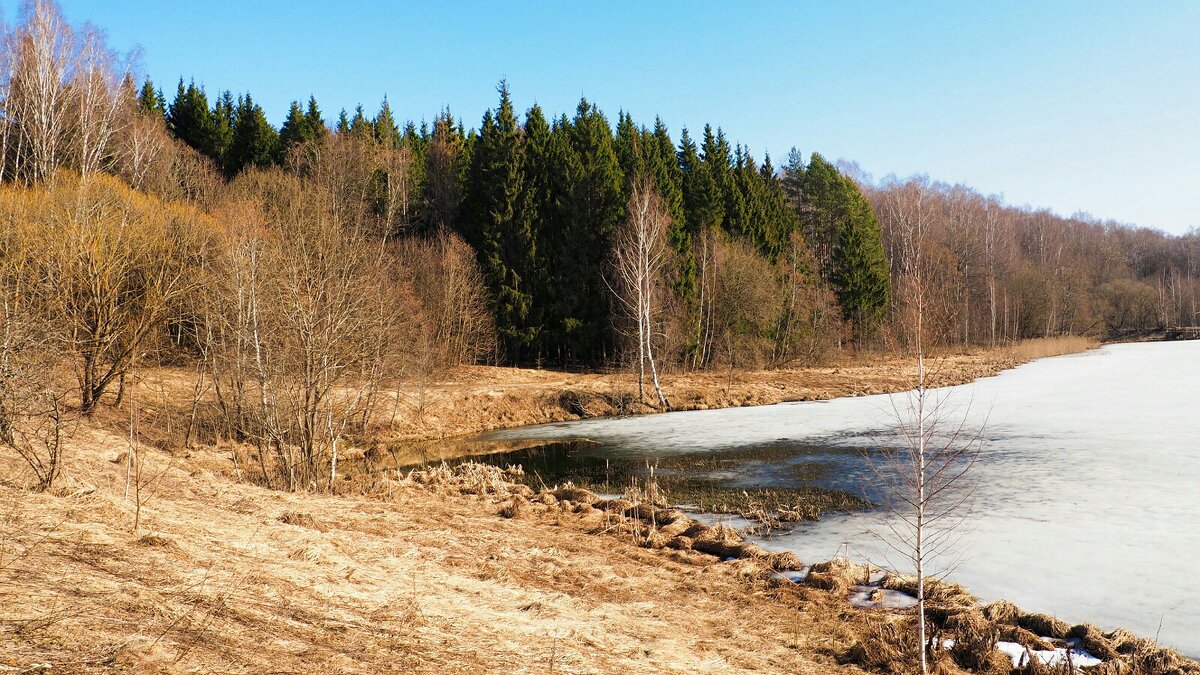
(217,581)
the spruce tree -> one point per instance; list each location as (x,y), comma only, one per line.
(781,219)
(702,200)
(150,100)
(495,222)
(793,178)
(294,130)
(224,112)
(823,209)
(360,126)
(254,141)
(630,152)
(549,164)
(860,268)
(314,123)
(190,120)
(445,173)
(384,126)
(716,156)
(594,208)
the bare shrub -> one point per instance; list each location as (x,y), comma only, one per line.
(457,324)
(809,323)
(306,320)
(113,262)
(745,305)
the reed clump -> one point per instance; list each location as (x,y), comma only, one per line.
(1040,348)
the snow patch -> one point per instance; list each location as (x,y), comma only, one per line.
(1057,656)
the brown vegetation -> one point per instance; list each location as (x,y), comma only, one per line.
(442,570)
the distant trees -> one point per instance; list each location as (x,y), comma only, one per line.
(539,200)
(1006,273)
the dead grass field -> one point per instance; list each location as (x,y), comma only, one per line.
(229,577)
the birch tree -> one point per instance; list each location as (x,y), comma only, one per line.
(928,474)
(640,257)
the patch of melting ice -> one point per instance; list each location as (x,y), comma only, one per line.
(874,597)
(1088,485)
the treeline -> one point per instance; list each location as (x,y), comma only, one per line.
(767,264)
(999,273)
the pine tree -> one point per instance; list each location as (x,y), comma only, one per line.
(151,101)
(254,141)
(495,222)
(860,268)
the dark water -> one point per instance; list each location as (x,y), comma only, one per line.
(785,473)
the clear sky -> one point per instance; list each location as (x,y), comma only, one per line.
(1077,106)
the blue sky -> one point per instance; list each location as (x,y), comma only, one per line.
(1077,106)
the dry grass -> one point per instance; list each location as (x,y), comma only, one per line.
(231,577)
(472,399)
(1040,348)
(460,570)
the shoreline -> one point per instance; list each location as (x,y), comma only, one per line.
(442,569)
(1014,635)
(475,400)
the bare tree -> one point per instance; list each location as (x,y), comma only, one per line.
(95,94)
(303,327)
(640,256)
(928,473)
(38,102)
(141,142)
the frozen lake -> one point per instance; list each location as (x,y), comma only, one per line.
(1088,485)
